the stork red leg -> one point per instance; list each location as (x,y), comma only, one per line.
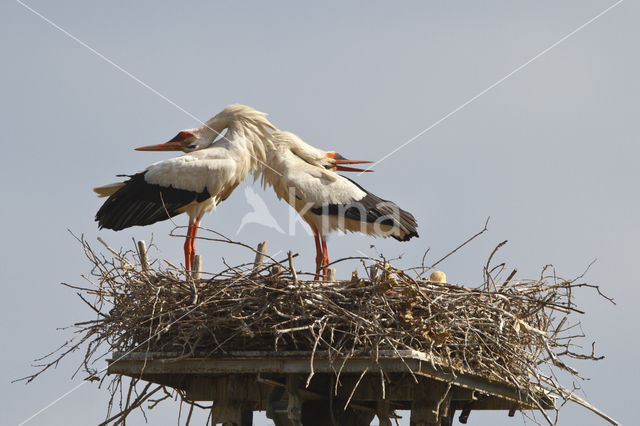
(187,247)
(325,259)
(319,254)
(196,226)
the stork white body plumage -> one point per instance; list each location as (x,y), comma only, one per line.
(193,183)
(304,177)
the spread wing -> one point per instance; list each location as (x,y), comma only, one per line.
(165,189)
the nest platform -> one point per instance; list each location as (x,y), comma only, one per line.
(300,387)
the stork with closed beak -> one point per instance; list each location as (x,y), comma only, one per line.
(193,183)
(304,176)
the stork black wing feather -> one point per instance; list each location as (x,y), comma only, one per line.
(139,202)
(376,210)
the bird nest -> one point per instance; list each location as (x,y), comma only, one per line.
(519,332)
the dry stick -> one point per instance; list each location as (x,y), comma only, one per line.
(115,253)
(223,239)
(485,229)
(373,273)
(197,268)
(171,265)
(132,386)
(260,252)
(597,288)
(97,311)
(382,384)
(509,278)
(355,387)
(344,259)
(135,404)
(487,273)
(331,277)
(444,396)
(189,415)
(197,276)
(315,345)
(142,254)
(292,269)
(558,329)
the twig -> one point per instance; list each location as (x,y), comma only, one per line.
(467,241)
(292,269)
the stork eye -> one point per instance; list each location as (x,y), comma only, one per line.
(192,146)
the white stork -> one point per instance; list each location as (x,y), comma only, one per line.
(193,183)
(304,177)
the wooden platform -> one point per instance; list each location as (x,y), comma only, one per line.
(281,383)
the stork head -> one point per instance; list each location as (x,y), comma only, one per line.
(330,160)
(186,141)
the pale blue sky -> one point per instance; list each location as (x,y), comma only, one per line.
(550,154)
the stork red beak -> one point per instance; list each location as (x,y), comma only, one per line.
(174,144)
(340,160)
(352,169)
(169,146)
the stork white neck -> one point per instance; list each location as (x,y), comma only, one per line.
(248,135)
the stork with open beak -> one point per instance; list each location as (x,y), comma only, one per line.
(304,176)
(193,183)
